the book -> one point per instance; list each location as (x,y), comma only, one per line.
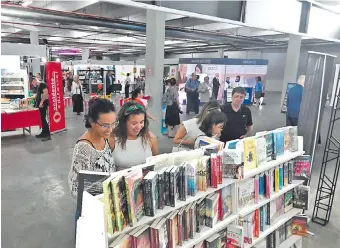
(232,156)
(212,211)
(302,168)
(180,226)
(265,212)
(272,212)
(288,200)
(268,186)
(162,234)
(290,172)
(293,139)
(301,197)
(270,146)
(183,182)
(109,206)
(246,192)
(214,241)
(248,223)
(122,241)
(225,202)
(285,174)
(214,170)
(271,240)
(261,152)
(256,233)
(278,142)
(234,236)
(232,144)
(167,185)
(192,220)
(276,179)
(268,216)
(256,189)
(173,186)
(233,171)
(142,239)
(135,197)
(280,176)
(219,168)
(250,158)
(161,186)
(280,206)
(262,220)
(299,225)
(280,234)
(202,173)
(262,186)
(186,223)
(200,209)
(288,226)
(206,141)
(150,192)
(172,229)
(192,176)
(153,232)
(286,138)
(120,202)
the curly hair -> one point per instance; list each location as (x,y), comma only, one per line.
(121,132)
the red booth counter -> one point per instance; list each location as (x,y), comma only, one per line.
(24,118)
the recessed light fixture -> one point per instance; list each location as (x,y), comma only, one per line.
(26,3)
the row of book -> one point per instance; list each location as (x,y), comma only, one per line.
(259,220)
(182,224)
(263,147)
(298,225)
(265,184)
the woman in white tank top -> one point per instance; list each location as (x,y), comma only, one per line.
(132,141)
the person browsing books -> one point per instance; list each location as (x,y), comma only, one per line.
(92,151)
(190,129)
(239,120)
(137,96)
(131,140)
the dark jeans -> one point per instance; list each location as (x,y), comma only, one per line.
(192,102)
(127,87)
(45,128)
(291,121)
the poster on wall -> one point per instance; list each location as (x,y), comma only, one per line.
(55,96)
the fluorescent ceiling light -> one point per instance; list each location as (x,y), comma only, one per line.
(26,3)
(124,38)
(172,42)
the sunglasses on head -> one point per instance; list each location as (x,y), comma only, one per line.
(133,108)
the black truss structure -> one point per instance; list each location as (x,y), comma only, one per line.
(328,178)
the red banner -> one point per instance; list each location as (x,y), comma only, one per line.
(55,97)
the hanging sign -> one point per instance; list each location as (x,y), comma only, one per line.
(55,97)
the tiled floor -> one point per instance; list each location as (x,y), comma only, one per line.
(38,212)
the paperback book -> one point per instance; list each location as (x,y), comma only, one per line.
(246,192)
(302,168)
(293,139)
(250,158)
(234,236)
(280,234)
(299,225)
(109,206)
(301,197)
(278,142)
(270,146)
(261,152)
(288,200)
(212,211)
(120,202)
(150,193)
(225,205)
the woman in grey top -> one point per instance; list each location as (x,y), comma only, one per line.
(203,89)
(170,98)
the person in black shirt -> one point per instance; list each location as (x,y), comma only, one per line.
(239,121)
(41,102)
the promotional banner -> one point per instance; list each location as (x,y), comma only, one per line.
(55,97)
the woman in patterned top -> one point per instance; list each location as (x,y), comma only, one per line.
(92,151)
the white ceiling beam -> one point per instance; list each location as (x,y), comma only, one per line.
(63,5)
(214,26)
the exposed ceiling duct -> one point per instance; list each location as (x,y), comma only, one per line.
(72,18)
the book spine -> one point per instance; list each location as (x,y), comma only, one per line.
(170,236)
(261,186)
(147,197)
(172,188)
(280,177)
(167,188)
(290,172)
(160,184)
(208,169)
(219,159)
(261,219)
(276,179)
(180,183)
(153,239)
(157,238)
(180,230)
(264,208)
(256,187)
(257,224)
(185,225)
(220,206)
(267,183)
(191,218)
(285,174)
(153,196)
(214,172)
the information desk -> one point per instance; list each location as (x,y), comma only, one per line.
(25,119)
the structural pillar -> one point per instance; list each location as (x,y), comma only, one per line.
(35,62)
(155,37)
(221,53)
(85,54)
(292,63)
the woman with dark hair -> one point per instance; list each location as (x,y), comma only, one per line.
(170,99)
(137,96)
(92,151)
(198,69)
(213,124)
(131,140)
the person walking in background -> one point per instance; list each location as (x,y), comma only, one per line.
(226,86)
(77,96)
(203,90)
(258,90)
(41,102)
(294,99)
(216,88)
(127,85)
(191,88)
(170,99)
(109,82)
(34,85)
(131,140)
(239,120)
(69,81)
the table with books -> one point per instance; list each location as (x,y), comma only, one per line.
(251,193)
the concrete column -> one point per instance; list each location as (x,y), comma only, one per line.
(292,63)
(221,53)
(155,36)
(35,62)
(85,54)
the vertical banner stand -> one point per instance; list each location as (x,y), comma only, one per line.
(327,184)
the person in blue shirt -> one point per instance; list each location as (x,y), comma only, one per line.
(258,90)
(191,88)
(294,98)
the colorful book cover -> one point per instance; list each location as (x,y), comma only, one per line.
(280,177)
(285,174)
(233,171)
(214,241)
(293,139)
(301,197)
(250,227)
(267,184)
(201,209)
(302,168)
(219,167)
(286,138)
(261,186)
(261,152)
(120,202)
(225,202)
(278,142)
(192,176)
(299,225)
(277,179)
(202,173)
(143,239)
(135,198)
(150,193)
(280,206)
(288,200)
(232,156)
(109,206)
(256,223)
(272,180)
(123,241)
(270,146)
(212,210)
(256,189)
(246,192)
(288,226)
(250,158)
(234,236)
(214,170)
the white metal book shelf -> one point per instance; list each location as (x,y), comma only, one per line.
(236,213)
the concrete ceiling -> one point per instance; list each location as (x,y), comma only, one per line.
(104,41)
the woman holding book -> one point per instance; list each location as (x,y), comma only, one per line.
(131,140)
(190,129)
